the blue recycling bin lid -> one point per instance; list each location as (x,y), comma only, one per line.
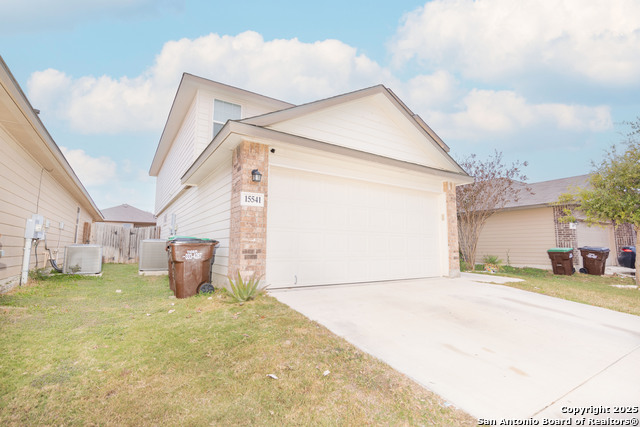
(593,249)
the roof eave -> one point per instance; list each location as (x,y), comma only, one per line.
(233,133)
(43,135)
(187,89)
(291,113)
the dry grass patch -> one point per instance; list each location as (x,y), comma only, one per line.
(76,352)
(601,291)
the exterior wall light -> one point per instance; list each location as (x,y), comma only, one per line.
(256,176)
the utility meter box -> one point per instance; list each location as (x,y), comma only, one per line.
(35,227)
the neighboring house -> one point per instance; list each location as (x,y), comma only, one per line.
(35,178)
(128,216)
(522,233)
(353,188)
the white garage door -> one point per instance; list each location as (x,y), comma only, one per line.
(329,230)
(599,237)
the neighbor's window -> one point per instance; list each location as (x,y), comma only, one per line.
(223,111)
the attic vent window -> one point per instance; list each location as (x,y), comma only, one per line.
(223,111)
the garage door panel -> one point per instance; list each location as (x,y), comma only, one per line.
(336,271)
(285,246)
(334,230)
(358,270)
(336,217)
(396,244)
(359,219)
(599,236)
(311,245)
(337,245)
(281,272)
(359,245)
(282,214)
(397,267)
(335,193)
(311,272)
(381,220)
(396,200)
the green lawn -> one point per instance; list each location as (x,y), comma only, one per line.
(614,293)
(119,350)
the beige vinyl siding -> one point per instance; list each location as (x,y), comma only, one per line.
(519,237)
(205,211)
(205,100)
(370,125)
(180,156)
(26,188)
(194,136)
(204,123)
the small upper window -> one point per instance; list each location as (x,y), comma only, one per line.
(223,111)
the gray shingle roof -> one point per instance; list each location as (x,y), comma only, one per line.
(126,213)
(547,192)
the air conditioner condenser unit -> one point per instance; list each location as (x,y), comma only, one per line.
(153,256)
(82,259)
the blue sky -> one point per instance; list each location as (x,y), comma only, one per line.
(548,82)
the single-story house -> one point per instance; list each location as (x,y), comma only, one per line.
(353,188)
(521,234)
(128,216)
(35,178)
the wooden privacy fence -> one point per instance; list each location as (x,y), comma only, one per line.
(120,244)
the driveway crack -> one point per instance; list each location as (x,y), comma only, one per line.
(587,380)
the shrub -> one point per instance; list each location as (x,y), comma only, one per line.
(491,263)
(244,290)
(491,259)
(38,274)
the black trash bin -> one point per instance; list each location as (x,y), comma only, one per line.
(594,259)
(561,261)
(190,261)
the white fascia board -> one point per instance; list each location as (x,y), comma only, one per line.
(235,132)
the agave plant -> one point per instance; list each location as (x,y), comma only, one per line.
(245,289)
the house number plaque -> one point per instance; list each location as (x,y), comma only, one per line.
(251,199)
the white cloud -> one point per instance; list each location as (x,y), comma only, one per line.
(296,72)
(287,69)
(483,113)
(494,39)
(428,91)
(101,105)
(92,171)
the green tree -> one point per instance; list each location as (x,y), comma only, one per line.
(614,193)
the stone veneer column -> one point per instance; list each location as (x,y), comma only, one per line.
(452,229)
(248,235)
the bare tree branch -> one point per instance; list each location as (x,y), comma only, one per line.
(495,185)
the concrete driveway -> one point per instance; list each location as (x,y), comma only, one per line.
(493,351)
